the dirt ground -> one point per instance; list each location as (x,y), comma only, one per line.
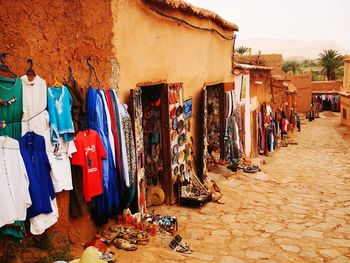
(296,210)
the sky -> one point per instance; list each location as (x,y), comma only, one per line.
(286,19)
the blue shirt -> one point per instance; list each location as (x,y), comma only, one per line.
(33,151)
(59,105)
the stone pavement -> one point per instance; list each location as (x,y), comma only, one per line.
(296,210)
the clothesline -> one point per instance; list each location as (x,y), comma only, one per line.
(9,148)
(36,64)
(13,122)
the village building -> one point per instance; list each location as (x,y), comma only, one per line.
(345,94)
(159,55)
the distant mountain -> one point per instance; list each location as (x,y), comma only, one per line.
(298,49)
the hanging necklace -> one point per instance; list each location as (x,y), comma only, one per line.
(9,102)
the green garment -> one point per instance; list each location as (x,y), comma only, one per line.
(12,113)
(17,230)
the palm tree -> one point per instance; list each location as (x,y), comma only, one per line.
(331,61)
(293,66)
(241,50)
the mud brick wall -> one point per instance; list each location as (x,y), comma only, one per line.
(57,34)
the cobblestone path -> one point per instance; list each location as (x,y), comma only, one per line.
(296,210)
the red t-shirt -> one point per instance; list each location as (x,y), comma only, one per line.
(89,155)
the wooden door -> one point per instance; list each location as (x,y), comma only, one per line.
(254,134)
(136,117)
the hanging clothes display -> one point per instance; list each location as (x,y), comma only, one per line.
(35,117)
(11,107)
(59,105)
(97,118)
(14,183)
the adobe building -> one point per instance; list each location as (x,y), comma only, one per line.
(255,81)
(141,45)
(345,94)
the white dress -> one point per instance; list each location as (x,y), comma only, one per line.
(35,117)
(14,183)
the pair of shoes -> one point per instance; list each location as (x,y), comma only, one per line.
(178,246)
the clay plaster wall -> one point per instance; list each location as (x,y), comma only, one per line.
(269,60)
(345,106)
(332,85)
(346,78)
(260,88)
(159,49)
(303,85)
(56,34)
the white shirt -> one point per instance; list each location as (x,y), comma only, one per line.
(34,96)
(40,223)
(61,173)
(14,183)
(121,110)
(109,126)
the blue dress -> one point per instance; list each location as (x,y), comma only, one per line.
(108,202)
(59,104)
(33,151)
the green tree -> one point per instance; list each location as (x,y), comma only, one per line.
(331,61)
(291,66)
(241,50)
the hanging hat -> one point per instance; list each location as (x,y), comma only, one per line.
(173,113)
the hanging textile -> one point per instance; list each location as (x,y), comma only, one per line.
(78,106)
(89,155)
(59,155)
(32,148)
(59,106)
(109,200)
(130,150)
(35,117)
(112,193)
(14,183)
(11,107)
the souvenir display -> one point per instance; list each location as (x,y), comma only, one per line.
(174,159)
(181,157)
(175,149)
(180,126)
(179,111)
(173,113)
(182,139)
(175,123)
(173,135)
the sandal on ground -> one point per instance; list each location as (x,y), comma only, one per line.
(184,249)
(124,244)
